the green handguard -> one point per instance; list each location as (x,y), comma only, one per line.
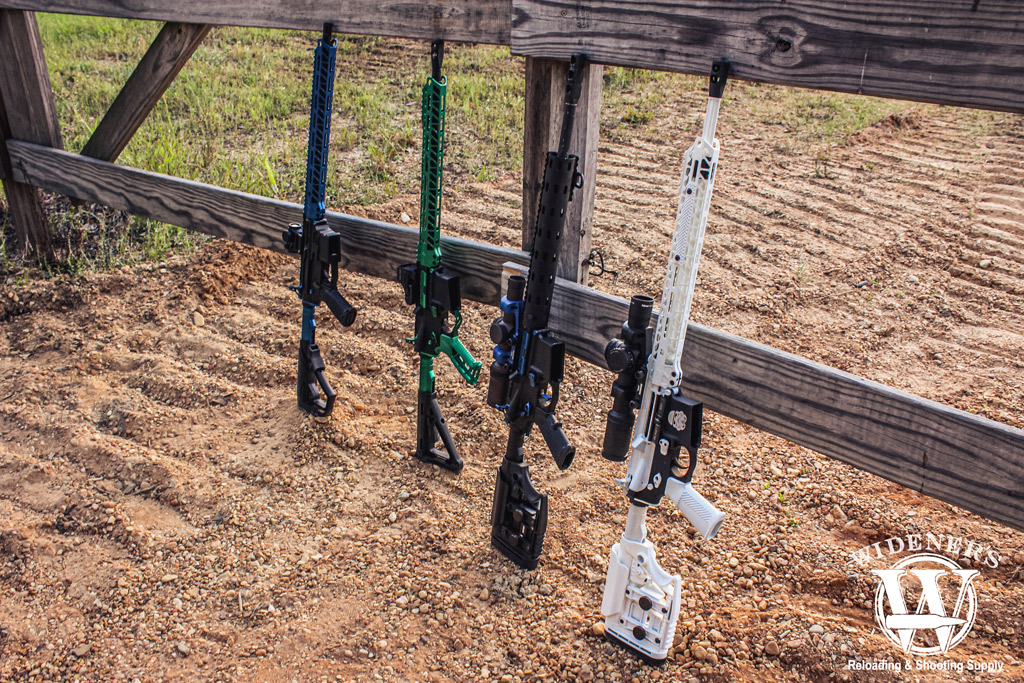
(428,250)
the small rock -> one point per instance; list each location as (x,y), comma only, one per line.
(586,674)
(794,644)
(382,644)
(198,319)
(817,629)
(838,514)
(913,278)
(716,636)
(404,495)
(183,649)
(405,218)
(698,652)
(772,649)
(711,659)
(168,578)
(81,650)
(984,263)
(393,517)
(546,589)
(485,594)
(597,629)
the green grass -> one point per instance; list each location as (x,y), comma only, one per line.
(237,117)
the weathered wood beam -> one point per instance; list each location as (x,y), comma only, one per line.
(368,246)
(170,50)
(545,100)
(28,114)
(943,51)
(942,452)
(474,21)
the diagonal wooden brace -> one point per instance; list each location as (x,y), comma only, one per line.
(170,51)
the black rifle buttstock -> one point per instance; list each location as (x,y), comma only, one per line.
(519,517)
(315,394)
(431,425)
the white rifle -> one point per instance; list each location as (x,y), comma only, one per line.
(641,600)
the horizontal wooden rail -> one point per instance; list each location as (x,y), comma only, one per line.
(963,459)
(368,246)
(473,21)
(945,51)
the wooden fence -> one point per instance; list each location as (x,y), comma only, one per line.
(944,51)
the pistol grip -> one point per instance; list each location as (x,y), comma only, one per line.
(342,309)
(462,359)
(561,450)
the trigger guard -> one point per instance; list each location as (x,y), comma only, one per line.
(686,474)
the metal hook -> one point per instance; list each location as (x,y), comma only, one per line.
(596,260)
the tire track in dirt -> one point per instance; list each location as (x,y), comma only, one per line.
(994,254)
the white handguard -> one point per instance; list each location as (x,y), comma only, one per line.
(641,600)
(704,516)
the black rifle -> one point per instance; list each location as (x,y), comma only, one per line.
(528,360)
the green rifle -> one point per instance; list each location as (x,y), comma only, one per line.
(434,292)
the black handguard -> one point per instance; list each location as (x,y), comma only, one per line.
(627,355)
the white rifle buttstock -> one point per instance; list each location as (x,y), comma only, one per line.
(697,509)
(641,600)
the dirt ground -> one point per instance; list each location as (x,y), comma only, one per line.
(167,514)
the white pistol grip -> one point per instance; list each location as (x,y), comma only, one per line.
(704,516)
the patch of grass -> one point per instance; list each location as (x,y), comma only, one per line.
(632,99)
(237,116)
(817,118)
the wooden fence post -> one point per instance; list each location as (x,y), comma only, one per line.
(545,88)
(170,50)
(28,114)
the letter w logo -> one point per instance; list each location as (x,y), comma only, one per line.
(900,625)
